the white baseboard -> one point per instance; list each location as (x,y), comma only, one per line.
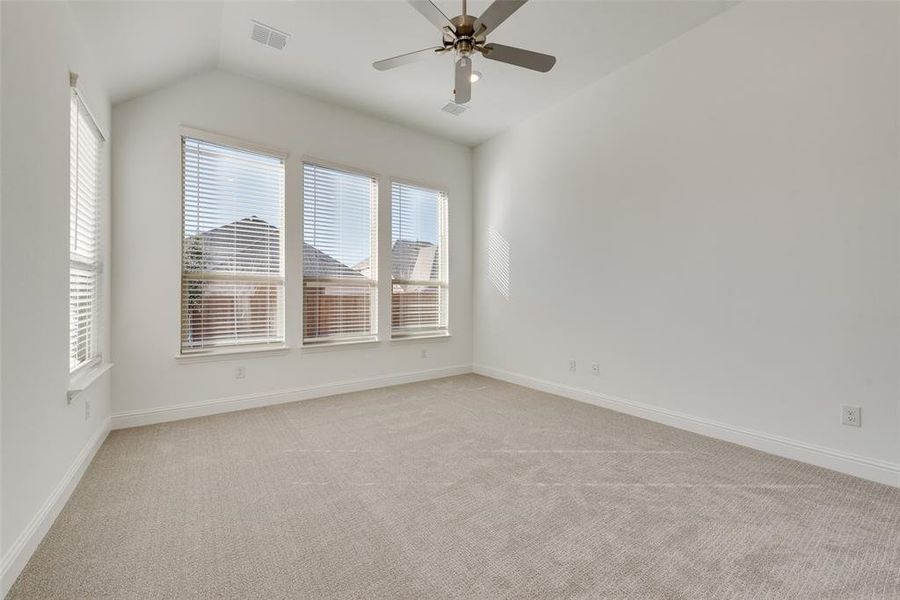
(25,545)
(162,414)
(851,464)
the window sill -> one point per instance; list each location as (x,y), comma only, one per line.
(83,380)
(231,353)
(329,345)
(431,335)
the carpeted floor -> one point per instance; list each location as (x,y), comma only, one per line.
(458,488)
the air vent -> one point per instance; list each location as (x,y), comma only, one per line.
(269,36)
(454,109)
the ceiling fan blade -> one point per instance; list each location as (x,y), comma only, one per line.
(519,57)
(463,84)
(495,14)
(405,59)
(432,13)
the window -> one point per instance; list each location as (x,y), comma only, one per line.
(232,281)
(85,142)
(419,298)
(339,254)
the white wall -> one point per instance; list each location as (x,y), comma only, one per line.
(42,436)
(2,588)
(147,240)
(716,225)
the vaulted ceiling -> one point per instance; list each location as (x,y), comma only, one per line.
(141,46)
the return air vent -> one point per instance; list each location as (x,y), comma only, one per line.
(268,36)
(454,109)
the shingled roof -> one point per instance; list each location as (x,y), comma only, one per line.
(248,245)
(414,260)
(410,260)
(318,264)
(257,247)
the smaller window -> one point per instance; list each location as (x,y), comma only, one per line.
(85,142)
(419,275)
(340,242)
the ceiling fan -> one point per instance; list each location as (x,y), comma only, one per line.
(465,35)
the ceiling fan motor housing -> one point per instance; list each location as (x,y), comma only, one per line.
(466,42)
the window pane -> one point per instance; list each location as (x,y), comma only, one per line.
(232,281)
(83,285)
(419,299)
(339,253)
(336,310)
(217,312)
(417,307)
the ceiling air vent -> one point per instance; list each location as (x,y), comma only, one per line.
(269,36)
(454,109)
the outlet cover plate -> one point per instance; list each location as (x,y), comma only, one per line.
(851,415)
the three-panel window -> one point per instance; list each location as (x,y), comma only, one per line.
(234,241)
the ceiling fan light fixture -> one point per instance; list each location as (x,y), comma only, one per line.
(476,75)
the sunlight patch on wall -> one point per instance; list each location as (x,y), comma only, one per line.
(498,262)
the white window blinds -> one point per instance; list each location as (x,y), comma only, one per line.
(339,254)
(232,284)
(85,143)
(419,298)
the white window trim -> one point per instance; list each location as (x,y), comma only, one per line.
(431,334)
(207,354)
(73,83)
(337,341)
(226,140)
(82,378)
(435,332)
(233,352)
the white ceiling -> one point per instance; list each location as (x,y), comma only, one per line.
(143,45)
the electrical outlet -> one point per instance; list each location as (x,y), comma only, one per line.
(595,369)
(424,352)
(573,366)
(851,415)
(87,410)
(240,372)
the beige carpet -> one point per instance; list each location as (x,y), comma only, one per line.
(458,488)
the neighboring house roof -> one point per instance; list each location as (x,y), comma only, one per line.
(318,264)
(413,260)
(257,247)
(248,245)
(252,244)
(410,260)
